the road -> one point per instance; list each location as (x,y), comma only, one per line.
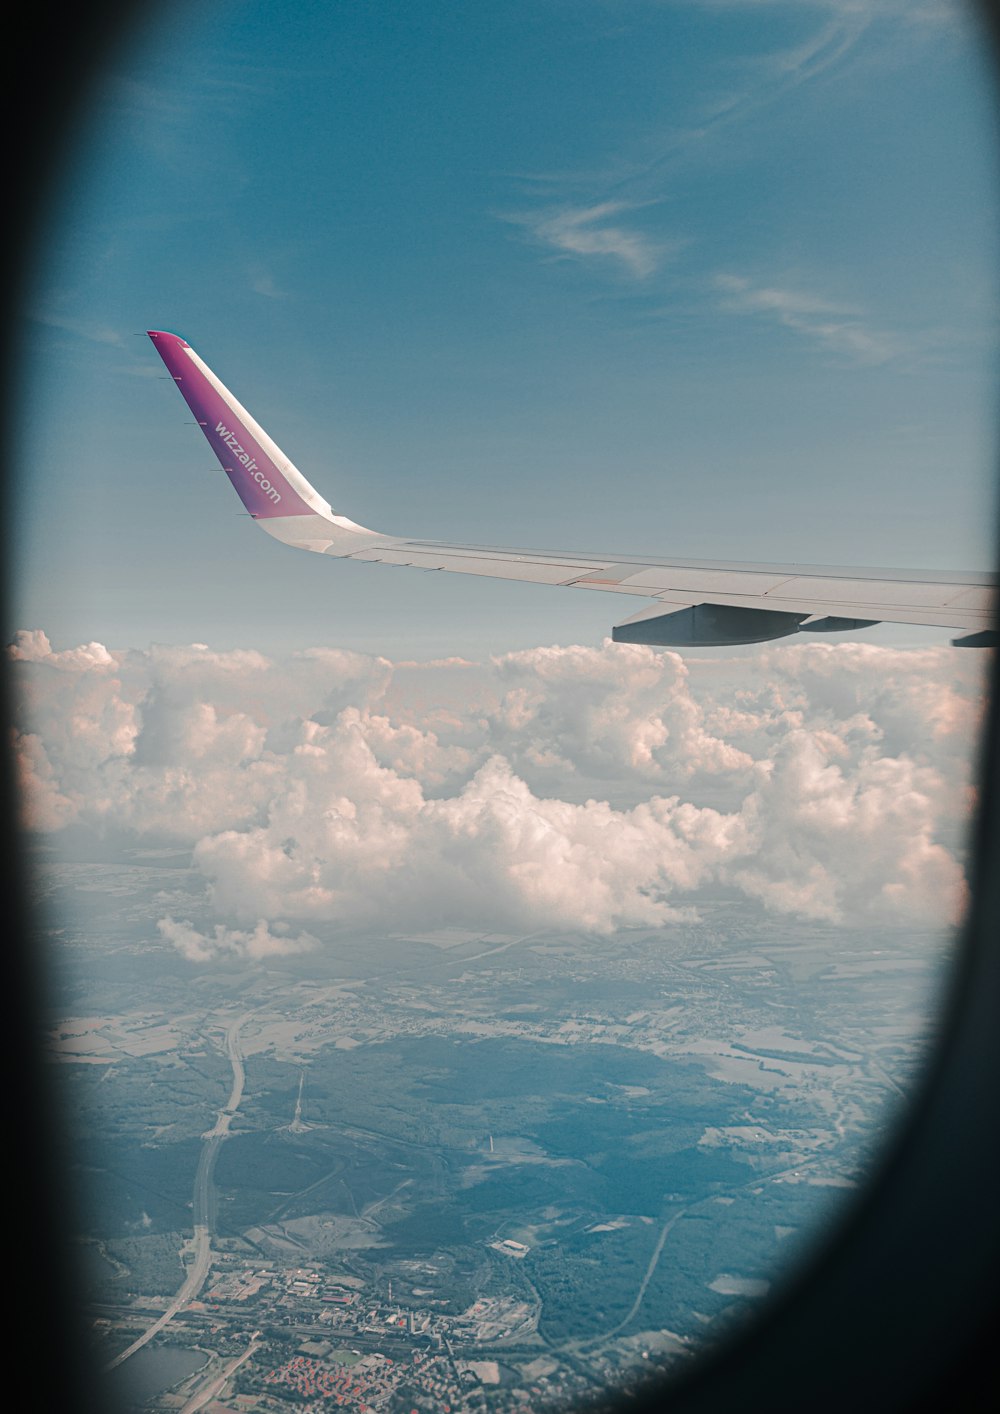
(218,1382)
(651,1268)
(203,1200)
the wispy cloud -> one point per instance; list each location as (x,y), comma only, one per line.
(911,12)
(846,32)
(585,212)
(262,282)
(589,232)
(131,362)
(92,330)
(837,328)
(821,50)
(766,78)
(844,25)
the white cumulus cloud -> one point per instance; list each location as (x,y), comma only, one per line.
(586,788)
(261,942)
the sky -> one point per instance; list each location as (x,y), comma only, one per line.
(681,277)
(709,278)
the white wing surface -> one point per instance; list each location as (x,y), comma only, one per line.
(695,602)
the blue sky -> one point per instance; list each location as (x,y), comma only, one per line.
(696,278)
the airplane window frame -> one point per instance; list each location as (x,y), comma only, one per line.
(897,1309)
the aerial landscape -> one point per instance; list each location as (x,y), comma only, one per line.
(505,1168)
(495,1172)
(458,1000)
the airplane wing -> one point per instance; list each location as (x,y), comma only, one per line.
(695,602)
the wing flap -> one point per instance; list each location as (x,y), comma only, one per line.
(910,594)
(693,581)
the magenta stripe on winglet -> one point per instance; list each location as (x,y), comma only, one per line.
(258,482)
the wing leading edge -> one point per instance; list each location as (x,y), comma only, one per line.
(696,602)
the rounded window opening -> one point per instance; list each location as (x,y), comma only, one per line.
(469,993)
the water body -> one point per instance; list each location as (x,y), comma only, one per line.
(152,1370)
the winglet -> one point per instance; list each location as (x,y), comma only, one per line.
(263,477)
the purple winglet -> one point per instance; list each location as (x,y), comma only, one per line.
(257,480)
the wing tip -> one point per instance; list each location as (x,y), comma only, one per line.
(169,338)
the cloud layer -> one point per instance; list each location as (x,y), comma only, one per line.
(555,788)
